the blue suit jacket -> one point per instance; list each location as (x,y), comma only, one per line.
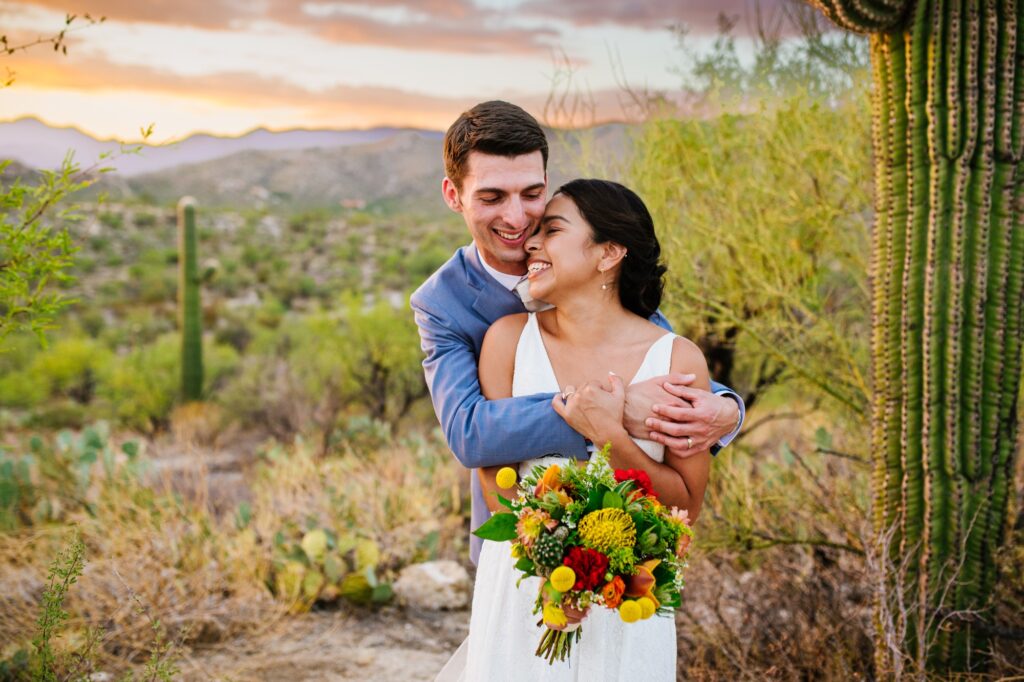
(453,310)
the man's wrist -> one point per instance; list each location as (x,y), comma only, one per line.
(731,434)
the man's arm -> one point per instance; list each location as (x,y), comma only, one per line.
(485,432)
(672,412)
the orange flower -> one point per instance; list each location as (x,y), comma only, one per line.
(684,544)
(612,592)
(642,584)
(552,482)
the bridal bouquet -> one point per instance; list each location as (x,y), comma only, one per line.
(595,537)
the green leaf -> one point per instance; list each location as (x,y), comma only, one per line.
(525,564)
(382,593)
(611,500)
(823,439)
(499,528)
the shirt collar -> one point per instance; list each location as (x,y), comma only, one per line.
(505,280)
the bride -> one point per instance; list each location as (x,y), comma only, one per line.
(595,258)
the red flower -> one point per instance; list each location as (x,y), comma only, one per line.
(643,481)
(589,565)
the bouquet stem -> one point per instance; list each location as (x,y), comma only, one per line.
(557,644)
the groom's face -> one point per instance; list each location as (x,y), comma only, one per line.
(502,200)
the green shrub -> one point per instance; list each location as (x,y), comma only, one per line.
(141,387)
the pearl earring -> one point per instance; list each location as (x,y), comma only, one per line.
(604,287)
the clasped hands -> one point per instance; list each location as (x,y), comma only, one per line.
(664,409)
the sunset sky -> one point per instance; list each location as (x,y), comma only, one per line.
(228,66)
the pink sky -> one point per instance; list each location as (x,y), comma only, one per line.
(228,66)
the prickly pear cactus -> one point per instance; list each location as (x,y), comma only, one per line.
(948,104)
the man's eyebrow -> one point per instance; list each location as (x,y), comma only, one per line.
(499,190)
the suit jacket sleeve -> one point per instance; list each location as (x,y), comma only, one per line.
(485,432)
(716,388)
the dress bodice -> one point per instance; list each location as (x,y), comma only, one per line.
(533,373)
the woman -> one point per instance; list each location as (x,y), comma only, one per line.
(595,258)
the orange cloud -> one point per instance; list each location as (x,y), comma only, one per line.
(448,26)
(338,106)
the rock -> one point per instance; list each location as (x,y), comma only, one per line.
(433,586)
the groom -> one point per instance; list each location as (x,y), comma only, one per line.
(495,158)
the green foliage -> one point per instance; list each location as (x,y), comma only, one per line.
(763,220)
(141,387)
(302,376)
(819,62)
(36,249)
(64,572)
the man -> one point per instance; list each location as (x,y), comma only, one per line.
(495,159)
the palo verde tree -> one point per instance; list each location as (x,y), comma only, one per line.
(948,287)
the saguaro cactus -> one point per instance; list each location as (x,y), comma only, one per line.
(948,102)
(189,309)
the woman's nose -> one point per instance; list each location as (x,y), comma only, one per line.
(533,242)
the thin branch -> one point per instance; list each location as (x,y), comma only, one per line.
(773,541)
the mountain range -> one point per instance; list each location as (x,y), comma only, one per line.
(295,168)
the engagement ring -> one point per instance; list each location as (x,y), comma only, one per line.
(689,443)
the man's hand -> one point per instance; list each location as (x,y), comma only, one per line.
(642,396)
(696,426)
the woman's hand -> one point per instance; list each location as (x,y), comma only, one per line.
(595,409)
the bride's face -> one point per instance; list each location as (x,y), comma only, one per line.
(561,254)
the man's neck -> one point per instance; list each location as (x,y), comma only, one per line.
(508,274)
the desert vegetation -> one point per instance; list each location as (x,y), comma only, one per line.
(138,528)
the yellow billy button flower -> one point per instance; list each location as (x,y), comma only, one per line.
(646,607)
(554,616)
(506,478)
(630,611)
(563,578)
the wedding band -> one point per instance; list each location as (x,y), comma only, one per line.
(566,396)
(689,443)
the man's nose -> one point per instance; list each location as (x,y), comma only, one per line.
(515,214)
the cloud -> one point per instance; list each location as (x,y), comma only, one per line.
(448,26)
(338,106)
(700,17)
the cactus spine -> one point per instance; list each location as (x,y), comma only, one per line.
(189,309)
(948,289)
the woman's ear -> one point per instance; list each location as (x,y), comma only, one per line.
(611,255)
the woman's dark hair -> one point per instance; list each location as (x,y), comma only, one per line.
(617,214)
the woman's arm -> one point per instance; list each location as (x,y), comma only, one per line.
(596,411)
(497,364)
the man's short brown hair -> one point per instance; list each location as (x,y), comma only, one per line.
(495,127)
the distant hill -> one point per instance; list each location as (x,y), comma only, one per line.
(37,145)
(297,169)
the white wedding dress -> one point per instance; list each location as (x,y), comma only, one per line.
(503,631)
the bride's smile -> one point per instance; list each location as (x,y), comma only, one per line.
(563,255)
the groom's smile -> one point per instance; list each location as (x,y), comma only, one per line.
(502,199)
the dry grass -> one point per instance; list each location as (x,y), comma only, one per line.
(153,556)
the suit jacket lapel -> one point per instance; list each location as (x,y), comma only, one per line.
(493,300)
